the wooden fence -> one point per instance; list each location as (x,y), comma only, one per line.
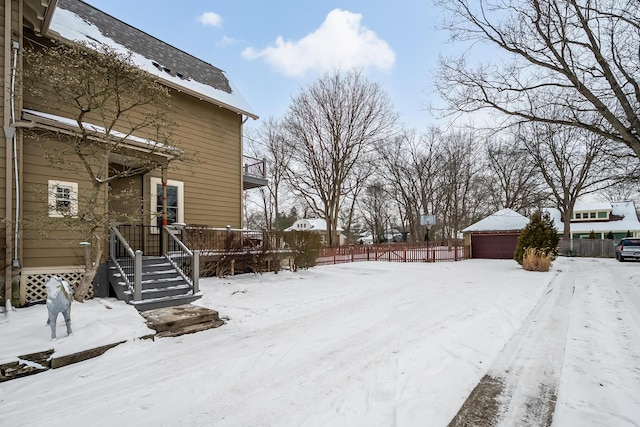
(393,252)
(594,248)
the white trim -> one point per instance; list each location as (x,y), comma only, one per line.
(154,182)
(53,186)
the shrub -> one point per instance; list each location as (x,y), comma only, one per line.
(536,260)
(306,247)
(541,235)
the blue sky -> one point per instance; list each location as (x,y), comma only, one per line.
(270,49)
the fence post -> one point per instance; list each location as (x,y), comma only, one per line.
(137,276)
(196,271)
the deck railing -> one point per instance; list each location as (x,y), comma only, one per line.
(183,259)
(254,167)
(127,261)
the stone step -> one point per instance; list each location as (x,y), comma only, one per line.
(181,319)
(28,364)
(191,329)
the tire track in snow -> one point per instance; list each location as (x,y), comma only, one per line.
(520,387)
(601,374)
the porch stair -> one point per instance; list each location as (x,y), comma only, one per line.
(162,285)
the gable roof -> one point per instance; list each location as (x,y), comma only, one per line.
(74,20)
(626,210)
(503,220)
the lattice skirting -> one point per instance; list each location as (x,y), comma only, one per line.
(33,281)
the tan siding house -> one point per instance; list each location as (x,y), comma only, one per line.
(208,110)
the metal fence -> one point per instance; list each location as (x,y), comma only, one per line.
(393,252)
(593,248)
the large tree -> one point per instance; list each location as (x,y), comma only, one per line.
(409,167)
(111,103)
(513,180)
(572,161)
(332,125)
(269,143)
(582,57)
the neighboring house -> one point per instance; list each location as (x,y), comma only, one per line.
(208,108)
(316,225)
(495,236)
(617,218)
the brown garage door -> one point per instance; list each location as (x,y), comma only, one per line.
(493,246)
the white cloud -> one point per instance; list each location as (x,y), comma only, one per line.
(211,19)
(226,41)
(340,42)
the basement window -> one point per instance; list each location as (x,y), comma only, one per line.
(63,199)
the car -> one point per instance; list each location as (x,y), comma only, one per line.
(629,247)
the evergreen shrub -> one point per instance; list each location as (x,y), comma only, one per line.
(540,235)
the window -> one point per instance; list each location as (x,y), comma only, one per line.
(578,216)
(175,201)
(63,199)
(602,215)
(592,215)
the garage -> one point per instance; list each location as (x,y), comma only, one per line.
(496,236)
(494,245)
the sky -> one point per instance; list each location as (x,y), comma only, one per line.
(359,344)
(270,50)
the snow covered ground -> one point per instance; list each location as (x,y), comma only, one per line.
(370,343)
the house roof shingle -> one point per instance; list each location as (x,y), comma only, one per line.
(77,21)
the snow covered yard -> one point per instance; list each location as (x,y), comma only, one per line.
(369,343)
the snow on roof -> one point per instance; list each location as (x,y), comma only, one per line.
(80,22)
(98,130)
(503,220)
(595,206)
(315,224)
(625,209)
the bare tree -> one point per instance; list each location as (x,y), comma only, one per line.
(409,169)
(332,124)
(513,180)
(573,163)
(269,142)
(460,198)
(109,100)
(580,57)
(373,206)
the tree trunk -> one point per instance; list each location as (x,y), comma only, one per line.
(91,269)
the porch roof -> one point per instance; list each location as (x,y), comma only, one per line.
(38,119)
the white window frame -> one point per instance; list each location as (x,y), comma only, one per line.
(154,197)
(53,186)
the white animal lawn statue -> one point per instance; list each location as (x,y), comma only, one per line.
(59,297)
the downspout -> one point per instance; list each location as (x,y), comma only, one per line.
(8,197)
(242,203)
(15,45)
